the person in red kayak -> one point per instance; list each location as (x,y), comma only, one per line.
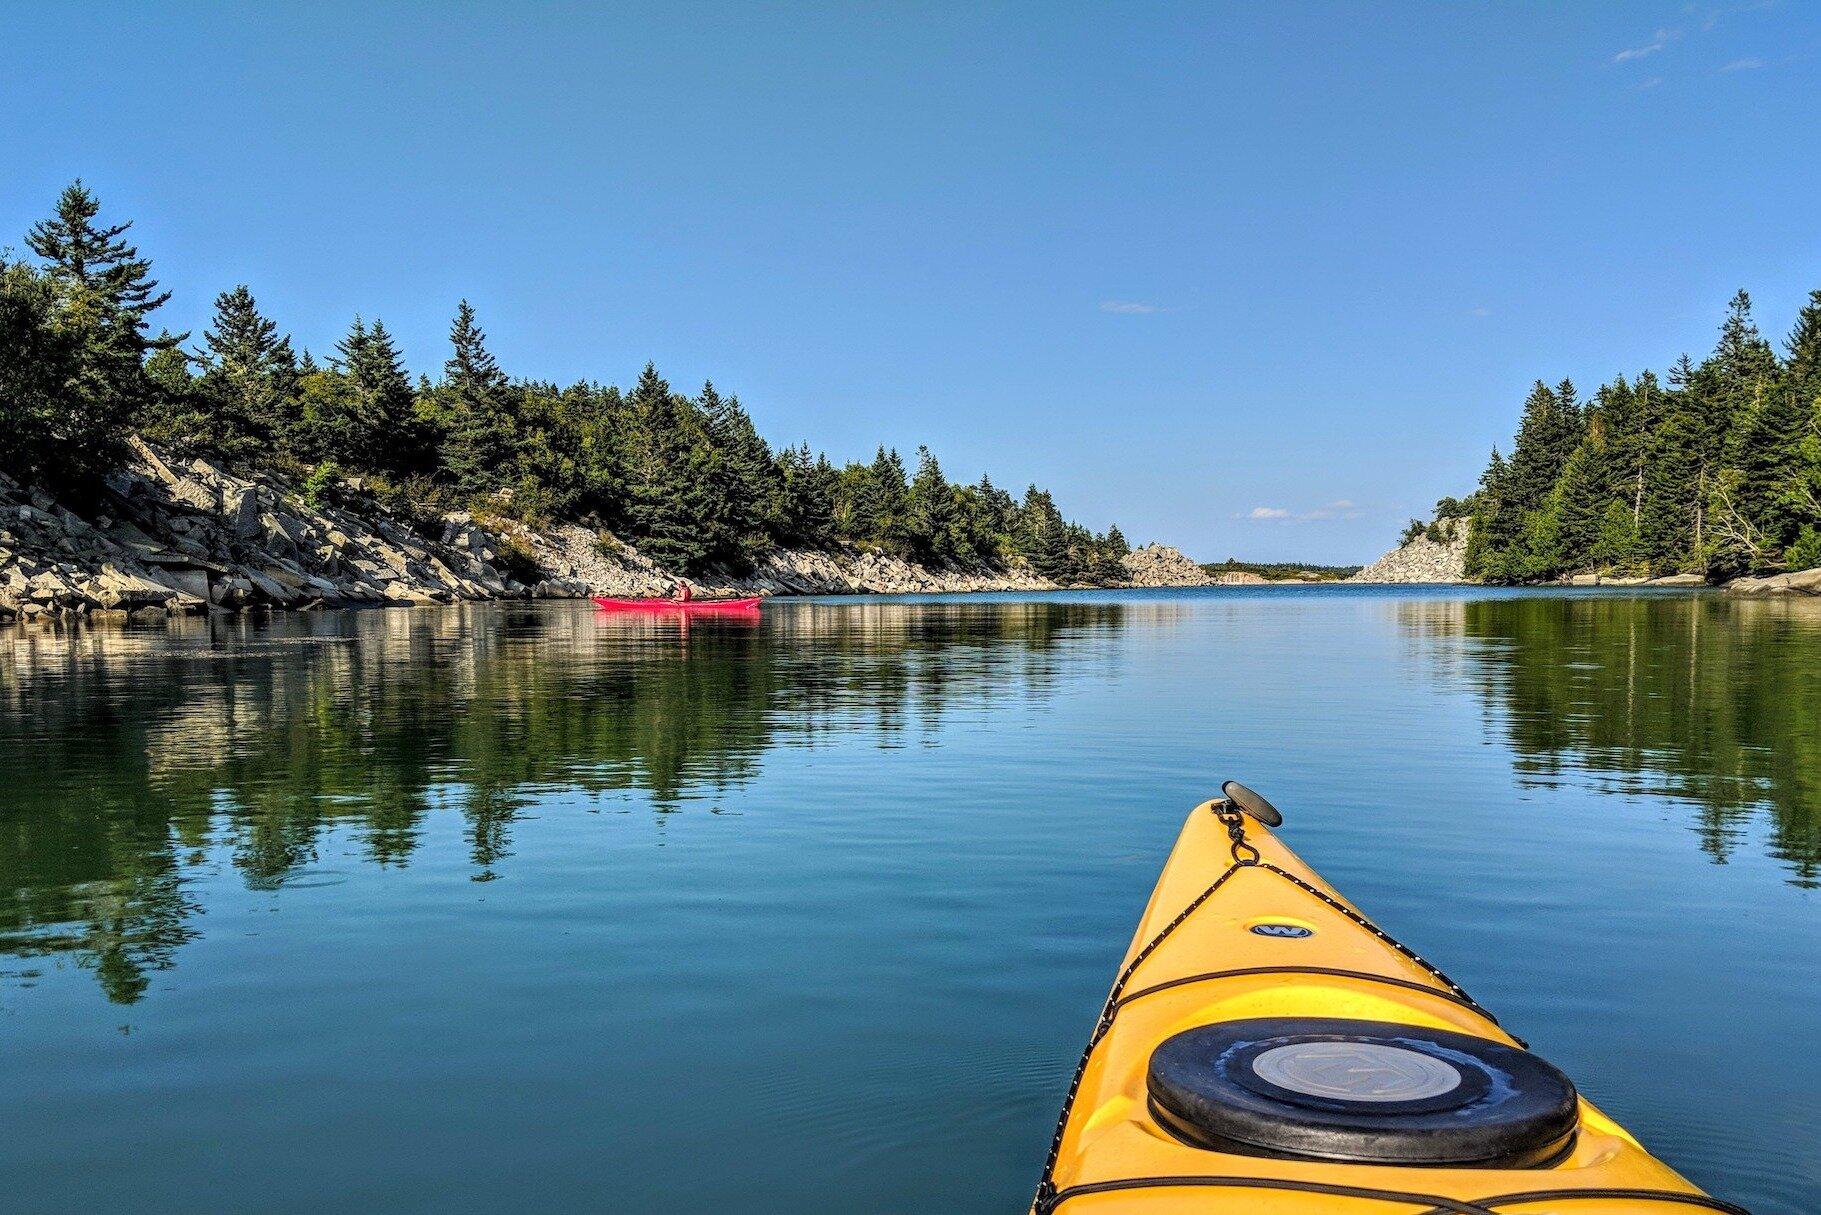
(681,593)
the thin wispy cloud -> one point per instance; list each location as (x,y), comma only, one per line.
(1743,65)
(1658,41)
(1130,307)
(1341,508)
(1482,310)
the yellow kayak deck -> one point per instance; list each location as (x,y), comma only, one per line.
(1197,959)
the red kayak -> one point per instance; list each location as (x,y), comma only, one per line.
(692,606)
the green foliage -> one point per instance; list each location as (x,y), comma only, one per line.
(475,409)
(37,356)
(806,498)
(690,482)
(1284,570)
(670,506)
(249,380)
(81,321)
(1805,553)
(1718,474)
(319,487)
(1455,508)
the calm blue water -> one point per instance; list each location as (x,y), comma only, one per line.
(525,909)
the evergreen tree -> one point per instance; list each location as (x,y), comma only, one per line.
(1578,504)
(94,267)
(1043,538)
(361,411)
(104,296)
(1547,436)
(249,377)
(993,522)
(1803,370)
(401,443)
(751,482)
(807,498)
(1494,525)
(880,503)
(1752,430)
(692,482)
(1672,510)
(38,356)
(931,515)
(668,506)
(180,413)
(1616,546)
(1802,384)
(1719,473)
(474,404)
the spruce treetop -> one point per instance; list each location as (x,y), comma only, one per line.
(81,252)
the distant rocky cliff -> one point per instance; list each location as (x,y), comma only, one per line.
(1423,559)
(1161,565)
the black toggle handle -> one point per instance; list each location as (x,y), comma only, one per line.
(1252,803)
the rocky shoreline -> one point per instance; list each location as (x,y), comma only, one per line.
(179,537)
(1444,562)
(1423,560)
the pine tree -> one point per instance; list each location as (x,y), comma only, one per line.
(1578,503)
(105,295)
(93,266)
(667,499)
(878,502)
(38,356)
(249,376)
(1617,544)
(1673,500)
(1043,537)
(1494,526)
(1803,370)
(179,413)
(807,498)
(1802,383)
(931,516)
(401,444)
(479,447)
(752,485)
(1751,428)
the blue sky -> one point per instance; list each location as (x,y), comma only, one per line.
(1261,281)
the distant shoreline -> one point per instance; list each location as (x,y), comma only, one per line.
(170,537)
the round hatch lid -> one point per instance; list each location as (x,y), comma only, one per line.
(1366,1092)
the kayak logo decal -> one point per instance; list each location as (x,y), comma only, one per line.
(1293,931)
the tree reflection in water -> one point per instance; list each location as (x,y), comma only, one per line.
(1712,700)
(147,746)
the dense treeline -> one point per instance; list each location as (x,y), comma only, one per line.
(1714,469)
(1281,570)
(687,479)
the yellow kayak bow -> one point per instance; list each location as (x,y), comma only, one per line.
(1267,1049)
